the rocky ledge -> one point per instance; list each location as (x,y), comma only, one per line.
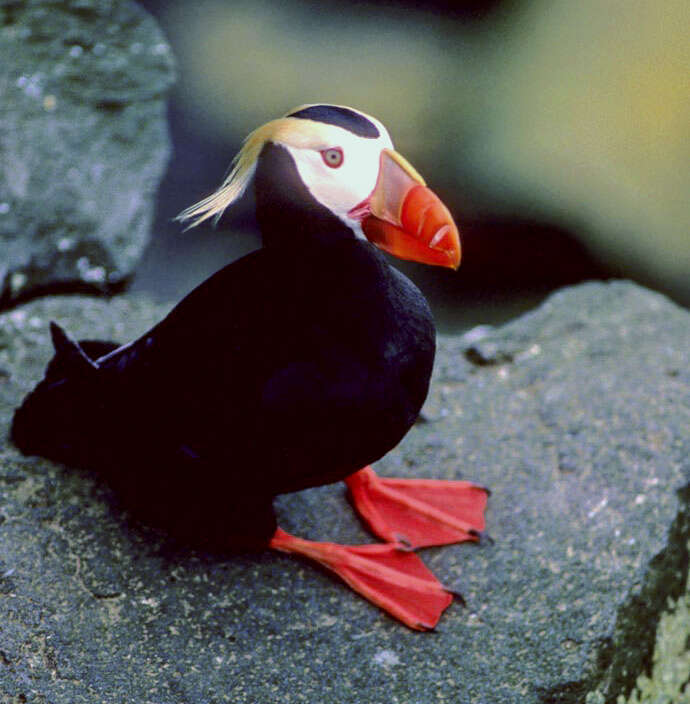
(576,415)
(83,142)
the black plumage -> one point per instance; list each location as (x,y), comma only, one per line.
(292,367)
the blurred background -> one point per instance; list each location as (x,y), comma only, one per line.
(557,132)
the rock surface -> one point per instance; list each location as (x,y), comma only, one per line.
(576,415)
(83,141)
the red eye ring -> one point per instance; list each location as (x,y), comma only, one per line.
(332,157)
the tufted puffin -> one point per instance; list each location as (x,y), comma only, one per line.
(298,365)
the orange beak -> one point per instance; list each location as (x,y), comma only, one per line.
(407,219)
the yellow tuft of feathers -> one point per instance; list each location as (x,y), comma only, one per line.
(296,132)
(236,181)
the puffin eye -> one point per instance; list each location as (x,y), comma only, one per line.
(332,157)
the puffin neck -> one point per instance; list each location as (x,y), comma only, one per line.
(288,214)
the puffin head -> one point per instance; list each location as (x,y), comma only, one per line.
(346,164)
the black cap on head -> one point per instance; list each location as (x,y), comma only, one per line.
(341,117)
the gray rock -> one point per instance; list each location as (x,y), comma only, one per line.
(83,141)
(576,415)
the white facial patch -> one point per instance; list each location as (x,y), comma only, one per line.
(341,189)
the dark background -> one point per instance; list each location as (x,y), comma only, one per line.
(555,132)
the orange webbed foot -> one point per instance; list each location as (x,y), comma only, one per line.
(419,512)
(394,579)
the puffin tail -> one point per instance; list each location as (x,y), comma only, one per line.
(54,419)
